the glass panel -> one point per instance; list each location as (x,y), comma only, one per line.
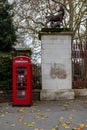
(21,81)
(21,94)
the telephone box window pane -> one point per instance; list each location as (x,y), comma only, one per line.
(21,69)
(21,74)
(21,94)
(20,88)
(21,78)
(21,84)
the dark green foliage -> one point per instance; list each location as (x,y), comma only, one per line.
(7,29)
(5,72)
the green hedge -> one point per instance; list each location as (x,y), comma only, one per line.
(5,72)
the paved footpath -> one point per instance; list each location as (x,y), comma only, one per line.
(45,115)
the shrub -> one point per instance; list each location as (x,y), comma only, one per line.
(5,72)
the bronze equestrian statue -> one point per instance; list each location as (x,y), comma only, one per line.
(56,20)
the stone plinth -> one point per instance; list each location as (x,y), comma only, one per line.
(56,66)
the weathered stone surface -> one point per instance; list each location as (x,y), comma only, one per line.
(56,94)
(56,61)
(80,92)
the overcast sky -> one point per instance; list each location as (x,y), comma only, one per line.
(10,1)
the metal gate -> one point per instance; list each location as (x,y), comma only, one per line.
(79,65)
(36,76)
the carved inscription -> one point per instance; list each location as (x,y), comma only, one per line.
(57,70)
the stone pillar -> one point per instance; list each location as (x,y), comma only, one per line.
(56,66)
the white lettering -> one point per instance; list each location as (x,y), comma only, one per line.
(21,61)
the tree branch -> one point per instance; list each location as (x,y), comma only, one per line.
(61,4)
(35,21)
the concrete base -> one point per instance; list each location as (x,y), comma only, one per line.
(51,94)
(80,92)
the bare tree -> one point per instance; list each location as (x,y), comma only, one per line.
(30,17)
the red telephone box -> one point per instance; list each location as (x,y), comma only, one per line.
(22,81)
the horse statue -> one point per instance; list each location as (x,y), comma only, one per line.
(56,20)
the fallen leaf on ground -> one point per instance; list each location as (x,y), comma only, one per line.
(74,129)
(29,124)
(44,117)
(13,125)
(2,115)
(20,119)
(48,110)
(65,105)
(36,129)
(86,126)
(22,110)
(53,129)
(7,112)
(7,122)
(65,126)
(81,127)
(61,118)
(85,102)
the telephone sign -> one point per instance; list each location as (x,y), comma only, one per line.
(22,81)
